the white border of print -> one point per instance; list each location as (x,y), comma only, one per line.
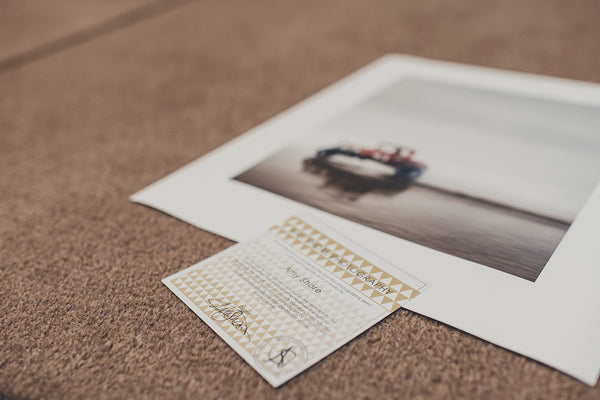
(555,320)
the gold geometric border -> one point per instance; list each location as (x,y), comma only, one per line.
(360,274)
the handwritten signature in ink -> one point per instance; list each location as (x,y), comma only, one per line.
(225,311)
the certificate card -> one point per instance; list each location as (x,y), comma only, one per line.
(288,298)
(482,182)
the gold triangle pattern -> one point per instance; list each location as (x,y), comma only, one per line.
(355,271)
(256,298)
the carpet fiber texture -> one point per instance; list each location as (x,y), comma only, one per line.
(83,313)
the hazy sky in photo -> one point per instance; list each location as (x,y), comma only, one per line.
(534,154)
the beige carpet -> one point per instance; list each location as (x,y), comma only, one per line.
(90,120)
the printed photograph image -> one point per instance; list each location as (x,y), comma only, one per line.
(491,177)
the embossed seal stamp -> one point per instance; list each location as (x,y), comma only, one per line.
(281,354)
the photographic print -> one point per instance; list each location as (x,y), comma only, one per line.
(483,182)
(490,177)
